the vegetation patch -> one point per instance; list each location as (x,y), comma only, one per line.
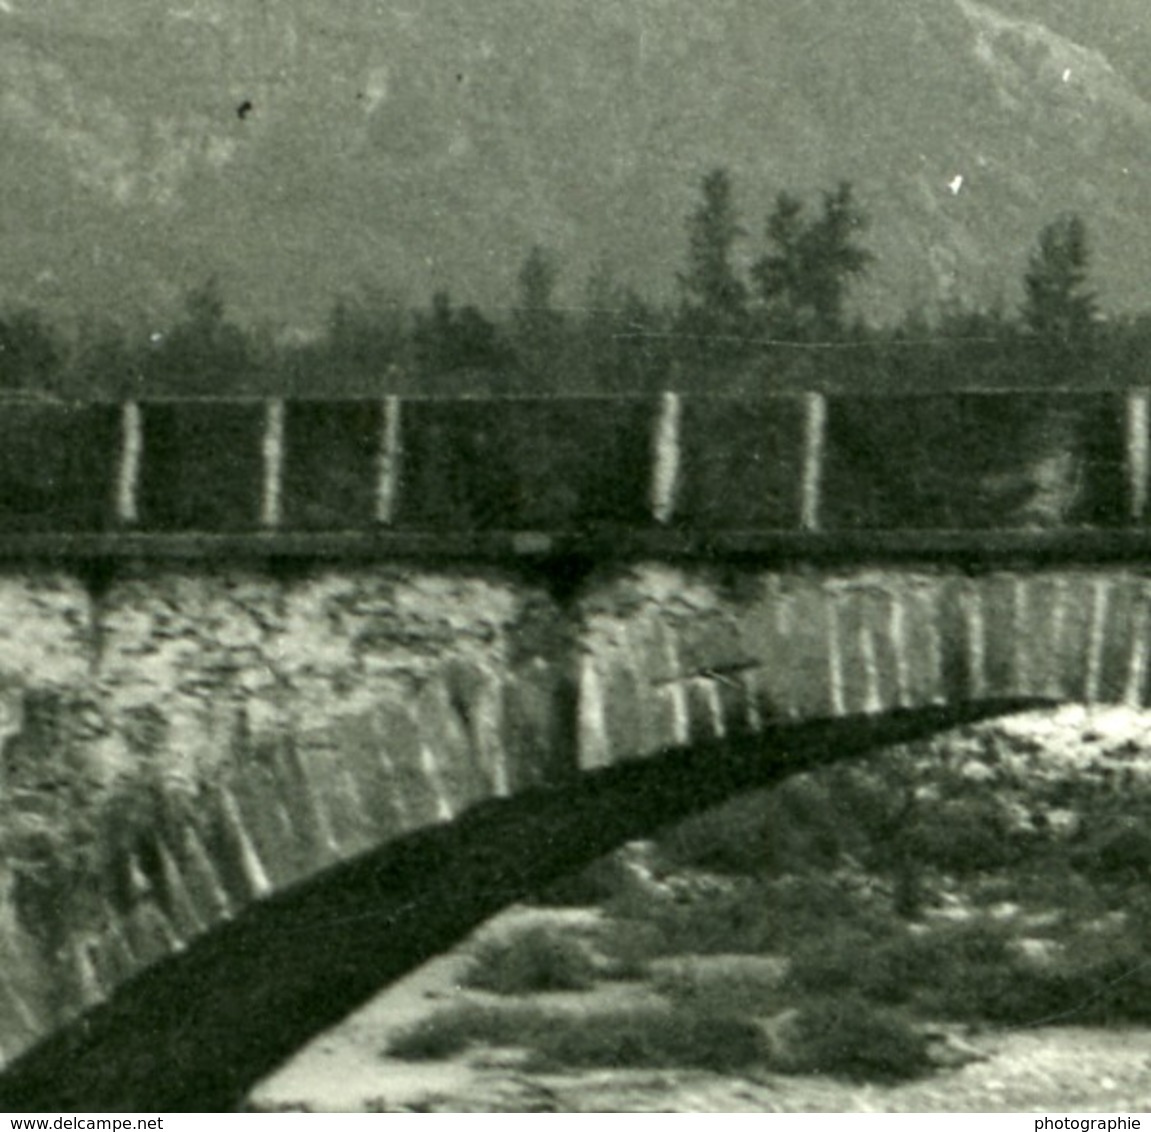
(847,1037)
(530,960)
(633,1037)
(453,1030)
(826,926)
(724,984)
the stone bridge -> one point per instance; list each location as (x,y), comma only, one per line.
(293,695)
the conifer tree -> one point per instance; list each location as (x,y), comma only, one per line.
(713,316)
(1059,308)
(803,280)
(537,325)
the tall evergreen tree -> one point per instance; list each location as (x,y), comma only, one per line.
(1059,308)
(623,341)
(714,309)
(537,325)
(30,354)
(204,353)
(366,333)
(780,275)
(803,280)
(447,339)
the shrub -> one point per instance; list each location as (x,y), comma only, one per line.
(1102,978)
(596,884)
(449,1032)
(724,984)
(847,1037)
(755,917)
(973,972)
(637,1037)
(963,836)
(1120,850)
(651,1037)
(949,969)
(735,919)
(1114,990)
(833,962)
(531,960)
(626,948)
(733,838)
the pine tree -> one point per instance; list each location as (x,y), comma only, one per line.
(780,274)
(204,352)
(447,339)
(367,333)
(537,325)
(30,354)
(622,340)
(1059,309)
(803,280)
(714,311)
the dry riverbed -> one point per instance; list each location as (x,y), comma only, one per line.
(1055,1068)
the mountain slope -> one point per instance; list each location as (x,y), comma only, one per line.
(431,144)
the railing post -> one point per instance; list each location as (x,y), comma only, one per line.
(272,504)
(666,457)
(388,463)
(814,444)
(131,451)
(1137,454)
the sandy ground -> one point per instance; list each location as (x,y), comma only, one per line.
(343,1070)
(1054,1069)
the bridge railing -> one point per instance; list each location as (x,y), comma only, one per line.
(301,475)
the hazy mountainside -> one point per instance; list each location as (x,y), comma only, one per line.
(429,144)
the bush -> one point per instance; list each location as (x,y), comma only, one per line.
(1120,850)
(973,972)
(759,917)
(449,1032)
(637,1037)
(847,1037)
(652,1037)
(531,960)
(725,922)
(1101,979)
(626,948)
(963,836)
(1114,990)
(596,884)
(732,839)
(947,969)
(835,961)
(724,984)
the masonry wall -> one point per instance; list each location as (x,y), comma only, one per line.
(181,742)
(184,742)
(672,656)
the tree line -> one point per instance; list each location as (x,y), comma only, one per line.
(782,318)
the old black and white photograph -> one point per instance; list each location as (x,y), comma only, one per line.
(575,556)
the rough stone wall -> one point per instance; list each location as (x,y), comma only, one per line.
(669,656)
(184,742)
